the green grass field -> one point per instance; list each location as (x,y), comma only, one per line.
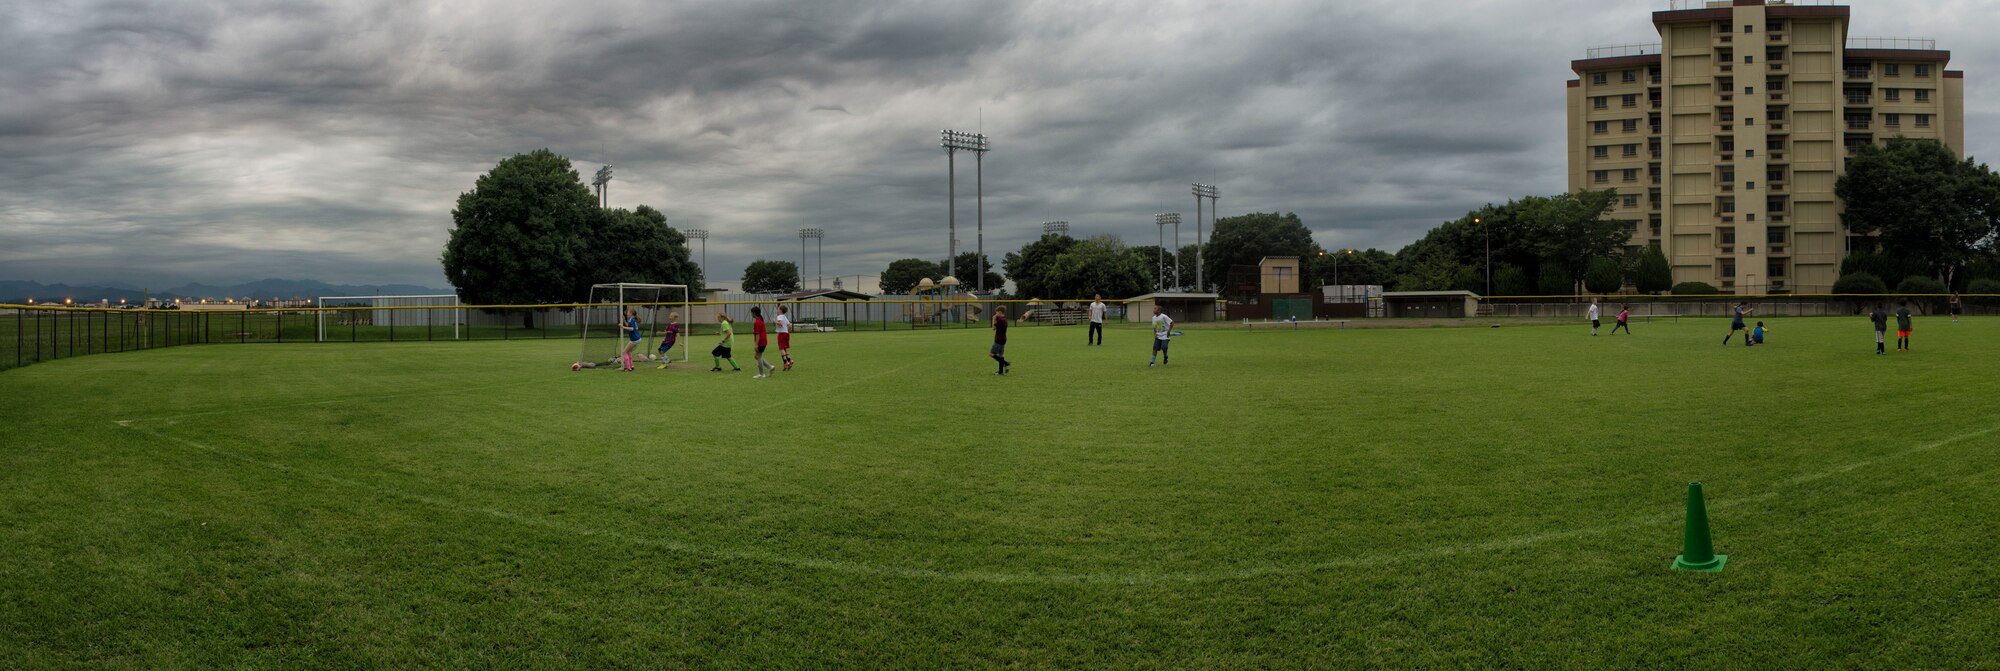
(1433,498)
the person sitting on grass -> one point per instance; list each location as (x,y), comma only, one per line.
(721,351)
(1757,334)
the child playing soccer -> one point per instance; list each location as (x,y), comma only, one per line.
(1624,313)
(1903,326)
(721,351)
(1956,307)
(1757,334)
(668,336)
(999,351)
(1736,324)
(785,336)
(630,328)
(1593,318)
(1881,319)
(1163,331)
(759,337)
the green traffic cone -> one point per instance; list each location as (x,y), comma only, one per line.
(1697,551)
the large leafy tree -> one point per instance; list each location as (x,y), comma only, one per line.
(1566,229)
(1654,274)
(764,276)
(1032,267)
(637,246)
(902,275)
(517,236)
(1603,276)
(1247,238)
(1923,202)
(968,281)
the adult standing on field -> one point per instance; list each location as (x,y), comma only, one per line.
(1096,335)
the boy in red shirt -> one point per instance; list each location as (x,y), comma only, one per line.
(764,368)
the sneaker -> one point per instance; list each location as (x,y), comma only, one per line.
(788,365)
(1006,368)
(1150,364)
(660,367)
(716,369)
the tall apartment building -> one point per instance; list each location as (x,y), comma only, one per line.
(1724,139)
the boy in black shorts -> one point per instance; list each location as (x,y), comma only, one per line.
(999,351)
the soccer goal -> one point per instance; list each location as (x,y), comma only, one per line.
(598,324)
(430,312)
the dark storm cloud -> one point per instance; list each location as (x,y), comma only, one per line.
(228,140)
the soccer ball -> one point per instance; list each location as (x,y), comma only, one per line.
(576,366)
(651,357)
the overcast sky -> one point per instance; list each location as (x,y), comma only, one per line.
(164,142)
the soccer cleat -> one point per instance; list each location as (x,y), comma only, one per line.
(1006,368)
(716,369)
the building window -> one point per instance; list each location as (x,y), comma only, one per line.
(1923,121)
(1631,125)
(1600,152)
(1776,268)
(1749,153)
(1729,207)
(1751,217)
(1923,95)
(1600,102)
(1631,76)
(1774,85)
(1923,70)
(1775,235)
(1775,203)
(1857,72)
(1891,95)
(1598,79)
(1774,175)
(1749,121)
(1725,116)
(1600,176)
(1774,54)
(1747,90)
(1747,29)
(1749,59)
(1774,115)
(1631,201)
(1892,120)
(1600,127)
(1774,26)
(1631,174)
(1729,144)
(1891,69)
(1749,186)
(1775,144)
(1631,100)
(1631,150)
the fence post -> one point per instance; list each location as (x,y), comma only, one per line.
(243,327)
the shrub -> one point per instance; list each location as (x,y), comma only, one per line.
(1984,285)
(1915,285)
(1860,283)
(1695,289)
(1603,276)
(1555,281)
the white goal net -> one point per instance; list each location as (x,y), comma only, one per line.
(662,311)
(437,314)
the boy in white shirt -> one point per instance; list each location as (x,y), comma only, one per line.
(1163,330)
(1593,316)
(1096,335)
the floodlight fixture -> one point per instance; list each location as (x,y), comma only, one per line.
(1213,194)
(818,234)
(954,142)
(1056,228)
(702,235)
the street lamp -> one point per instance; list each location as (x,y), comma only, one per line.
(953,142)
(1336,262)
(702,235)
(1056,228)
(1212,194)
(814,234)
(1483,228)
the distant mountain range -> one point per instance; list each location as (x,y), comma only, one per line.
(14,291)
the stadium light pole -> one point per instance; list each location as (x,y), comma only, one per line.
(1212,194)
(702,235)
(1056,228)
(954,142)
(818,234)
(603,183)
(1164,220)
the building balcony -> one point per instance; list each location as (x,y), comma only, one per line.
(1777,37)
(1726,188)
(1725,38)
(1726,97)
(1774,66)
(1860,99)
(1728,67)
(1859,75)
(1857,124)
(1777,155)
(1776,97)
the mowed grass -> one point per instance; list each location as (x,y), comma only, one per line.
(1431,498)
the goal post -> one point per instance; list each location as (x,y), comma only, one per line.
(426,311)
(598,322)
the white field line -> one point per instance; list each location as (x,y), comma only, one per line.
(1364,560)
(331,401)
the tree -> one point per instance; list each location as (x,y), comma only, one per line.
(1654,274)
(1984,285)
(1921,289)
(636,246)
(1922,202)
(1555,281)
(1099,266)
(1883,264)
(902,275)
(1860,283)
(1032,267)
(969,281)
(1246,239)
(1432,272)
(1510,280)
(1603,277)
(771,277)
(1695,289)
(517,236)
